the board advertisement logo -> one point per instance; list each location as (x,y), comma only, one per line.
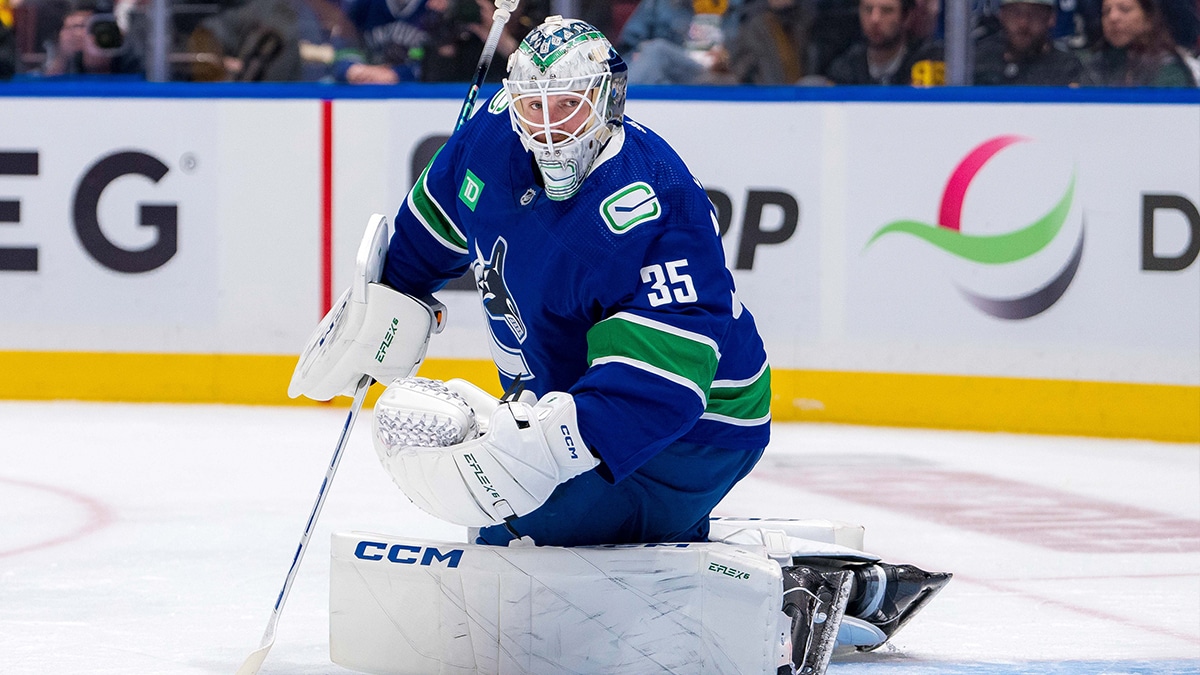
(953,236)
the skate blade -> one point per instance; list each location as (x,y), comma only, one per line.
(936,583)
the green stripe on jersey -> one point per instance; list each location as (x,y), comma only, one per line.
(431,214)
(685,358)
(746,401)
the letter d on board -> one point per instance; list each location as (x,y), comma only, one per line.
(1154,203)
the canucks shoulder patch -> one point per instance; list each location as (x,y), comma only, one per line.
(629,207)
(499,102)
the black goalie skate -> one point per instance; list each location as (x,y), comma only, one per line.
(816,601)
(888,596)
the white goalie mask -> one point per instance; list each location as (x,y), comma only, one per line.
(567,90)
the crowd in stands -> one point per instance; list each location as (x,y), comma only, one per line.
(757,42)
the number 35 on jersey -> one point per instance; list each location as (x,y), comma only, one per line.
(668,282)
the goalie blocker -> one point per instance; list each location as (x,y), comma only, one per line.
(401,606)
(372,329)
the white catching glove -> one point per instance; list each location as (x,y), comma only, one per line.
(372,329)
(483,403)
(511,470)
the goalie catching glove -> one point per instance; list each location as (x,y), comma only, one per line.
(527,451)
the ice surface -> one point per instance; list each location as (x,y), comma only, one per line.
(155,538)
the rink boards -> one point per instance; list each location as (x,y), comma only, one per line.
(1025,262)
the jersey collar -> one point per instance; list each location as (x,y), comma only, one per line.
(611,149)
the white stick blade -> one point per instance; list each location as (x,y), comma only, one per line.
(253,662)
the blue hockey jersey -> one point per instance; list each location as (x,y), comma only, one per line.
(619,295)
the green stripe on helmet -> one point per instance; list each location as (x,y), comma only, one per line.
(543,63)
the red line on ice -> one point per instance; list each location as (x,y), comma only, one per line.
(1024,512)
(99,516)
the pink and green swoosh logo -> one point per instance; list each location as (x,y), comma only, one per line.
(998,249)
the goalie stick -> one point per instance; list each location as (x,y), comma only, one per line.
(504,9)
(253,662)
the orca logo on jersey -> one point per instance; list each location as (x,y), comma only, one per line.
(493,290)
(500,308)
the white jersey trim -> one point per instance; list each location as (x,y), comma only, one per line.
(730,384)
(612,149)
(429,228)
(654,370)
(669,329)
(735,421)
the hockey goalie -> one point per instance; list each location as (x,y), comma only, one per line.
(637,393)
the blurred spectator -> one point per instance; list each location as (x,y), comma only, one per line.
(8,52)
(456,40)
(395,34)
(835,28)
(1067,30)
(273,41)
(923,20)
(886,55)
(771,47)
(35,27)
(1137,49)
(131,17)
(1182,18)
(680,41)
(327,39)
(91,43)
(527,16)
(1022,53)
(452,53)
(599,13)
(256,42)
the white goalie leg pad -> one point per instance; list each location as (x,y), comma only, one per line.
(371,329)
(783,539)
(400,606)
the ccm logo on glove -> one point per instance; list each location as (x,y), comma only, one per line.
(566,432)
